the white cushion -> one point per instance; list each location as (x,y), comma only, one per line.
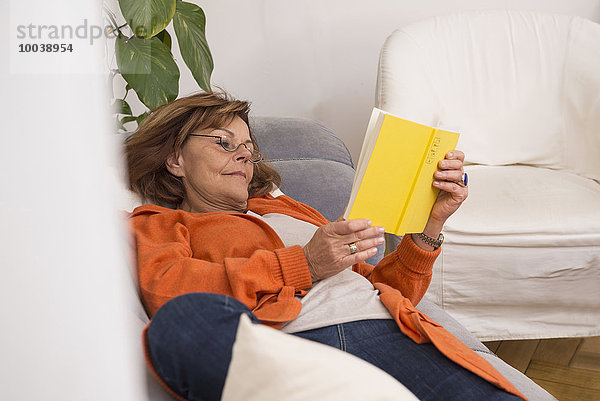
(526,206)
(271,365)
(126,200)
(521,87)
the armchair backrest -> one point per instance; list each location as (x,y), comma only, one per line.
(521,87)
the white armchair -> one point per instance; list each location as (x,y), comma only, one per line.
(522,256)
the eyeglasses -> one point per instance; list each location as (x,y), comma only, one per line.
(229,146)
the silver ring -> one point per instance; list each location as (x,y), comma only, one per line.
(353,248)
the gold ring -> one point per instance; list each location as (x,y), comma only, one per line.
(353,248)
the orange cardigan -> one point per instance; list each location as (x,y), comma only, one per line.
(241,256)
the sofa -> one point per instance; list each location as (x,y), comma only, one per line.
(317,169)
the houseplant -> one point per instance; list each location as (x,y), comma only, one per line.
(144,55)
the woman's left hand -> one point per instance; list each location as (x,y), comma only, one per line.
(453,192)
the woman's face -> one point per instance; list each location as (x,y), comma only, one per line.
(215,179)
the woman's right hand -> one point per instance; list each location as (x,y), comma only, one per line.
(328,252)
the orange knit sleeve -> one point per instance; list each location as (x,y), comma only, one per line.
(408,269)
(166,269)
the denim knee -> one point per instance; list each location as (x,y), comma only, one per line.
(190,339)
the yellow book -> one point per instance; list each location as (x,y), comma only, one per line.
(394,175)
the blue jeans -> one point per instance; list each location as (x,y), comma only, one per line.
(191,338)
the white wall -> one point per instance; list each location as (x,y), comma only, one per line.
(318,58)
(66,326)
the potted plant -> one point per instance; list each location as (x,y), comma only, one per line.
(143,52)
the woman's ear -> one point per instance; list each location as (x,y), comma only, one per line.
(174,164)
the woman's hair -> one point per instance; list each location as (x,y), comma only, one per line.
(163,133)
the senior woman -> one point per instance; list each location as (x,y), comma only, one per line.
(221,245)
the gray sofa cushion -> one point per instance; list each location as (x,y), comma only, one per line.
(439,315)
(523,383)
(314,164)
(299,138)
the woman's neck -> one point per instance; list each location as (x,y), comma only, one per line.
(201,207)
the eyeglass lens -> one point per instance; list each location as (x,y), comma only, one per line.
(230,146)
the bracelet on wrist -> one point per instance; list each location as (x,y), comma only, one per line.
(434,242)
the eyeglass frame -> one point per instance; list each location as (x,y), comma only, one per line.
(220,137)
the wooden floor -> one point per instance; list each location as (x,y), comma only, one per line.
(568,368)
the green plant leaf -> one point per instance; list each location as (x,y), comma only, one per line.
(189,23)
(148,67)
(128,119)
(121,107)
(141,118)
(146,18)
(165,38)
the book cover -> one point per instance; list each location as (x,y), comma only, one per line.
(394,174)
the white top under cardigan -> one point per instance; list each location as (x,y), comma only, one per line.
(345,297)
